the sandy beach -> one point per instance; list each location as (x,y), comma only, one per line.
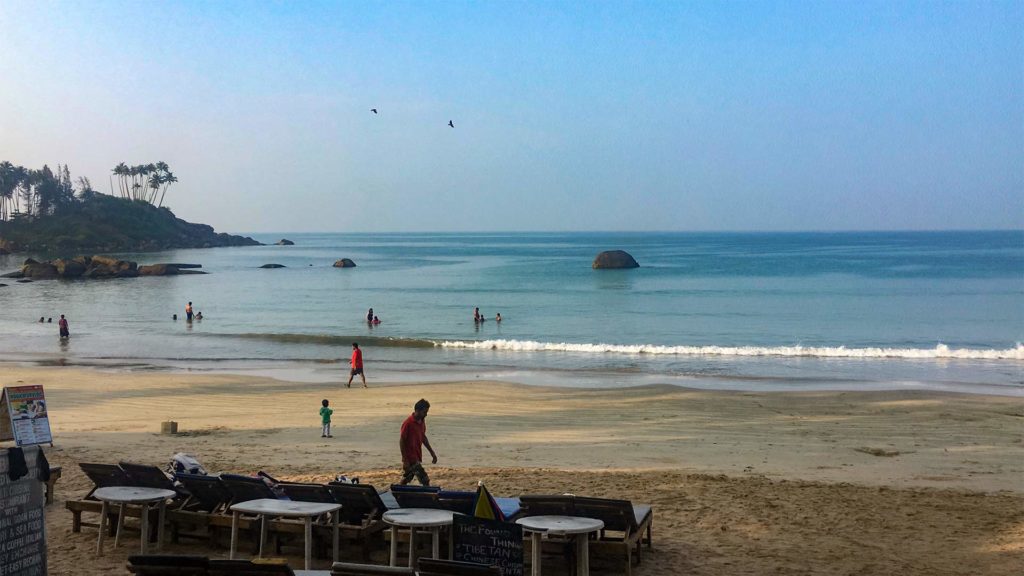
(741,483)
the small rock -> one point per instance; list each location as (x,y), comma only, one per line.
(614,259)
(285,242)
(272,266)
(344,263)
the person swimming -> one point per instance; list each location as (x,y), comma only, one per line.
(375,321)
(498,317)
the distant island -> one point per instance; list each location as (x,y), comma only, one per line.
(42,211)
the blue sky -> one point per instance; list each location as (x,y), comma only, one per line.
(568,116)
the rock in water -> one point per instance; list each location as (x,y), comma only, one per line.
(37,271)
(285,242)
(69,268)
(272,266)
(344,263)
(613,259)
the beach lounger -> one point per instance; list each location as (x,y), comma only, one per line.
(167,565)
(362,512)
(463,501)
(626,526)
(351,569)
(204,511)
(416,496)
(249,568)
(245,488)
(150,476)
(307,492)
(102,475)
(435,567)
(206,493)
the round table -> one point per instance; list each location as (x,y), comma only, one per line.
(265,507)
(575,526)
(125,495)
(413,518)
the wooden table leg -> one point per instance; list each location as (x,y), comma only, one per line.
(160,527)
(103,527)
(120,524)
(309,542)
(412,547)
(535,554)
(145,526)
(234,535)
(394,546)
(435,535)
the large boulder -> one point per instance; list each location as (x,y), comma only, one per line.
(613,259)
(285,242)
(272,266)
(344,263)
(39,271)
(69,268)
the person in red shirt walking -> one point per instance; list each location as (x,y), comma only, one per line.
(357,365)
(411,440)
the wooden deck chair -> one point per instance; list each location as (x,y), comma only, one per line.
(204,512)
(352,569)
(150,476)
(416,496)
(206,493)
(624,525)
(167,565)
(362,513)
(307,492)
(102,476)
(435,567)
(456,501)
(245,488)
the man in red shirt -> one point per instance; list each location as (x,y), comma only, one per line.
(357,365)
(411,440)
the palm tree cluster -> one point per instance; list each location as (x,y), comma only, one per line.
(28,193)
(144,182)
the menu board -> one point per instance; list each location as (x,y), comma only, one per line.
(22,527)
(25,418)
(489,542)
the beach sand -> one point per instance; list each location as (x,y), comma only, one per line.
(741,483)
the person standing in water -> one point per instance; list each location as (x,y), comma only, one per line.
(63,324)
(357,366)
(188,312)
(369,316)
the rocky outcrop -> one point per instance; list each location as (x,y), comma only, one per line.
(614,259)
(284,242)
(344,263)
(96,267)
(272,266)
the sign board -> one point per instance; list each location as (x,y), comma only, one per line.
(24,418)
(489,542)
(22,526)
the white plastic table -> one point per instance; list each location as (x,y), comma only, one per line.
(125,495)
(575,526)
(268,507)
(413,518)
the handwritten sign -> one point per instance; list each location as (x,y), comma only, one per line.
(25,418)
(489,542)
(22,529)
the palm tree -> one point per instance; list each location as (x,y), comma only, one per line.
(121,171)
(8,182)
(168,179)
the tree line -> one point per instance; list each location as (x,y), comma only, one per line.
(29,193)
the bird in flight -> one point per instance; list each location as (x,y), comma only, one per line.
(374,110)
(450,124)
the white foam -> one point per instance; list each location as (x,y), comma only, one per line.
(939,352)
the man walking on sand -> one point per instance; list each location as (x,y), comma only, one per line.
(357,365)
(411,440)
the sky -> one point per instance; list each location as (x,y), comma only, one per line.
(569,116)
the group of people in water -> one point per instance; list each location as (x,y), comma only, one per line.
(479,318)
(372,318)
(62,324)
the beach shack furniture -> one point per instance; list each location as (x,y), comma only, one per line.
(416,496)
(102,476)
(203,512)
(362,512)
(626,526)
(147,499)
(244,488)
(167,565)
(254,568)
(149,476)
(352,569)
(307,492)
(292,530)
(55,474)
(436,567)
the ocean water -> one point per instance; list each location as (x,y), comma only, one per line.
(745,311)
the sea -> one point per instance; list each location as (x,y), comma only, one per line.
(727,311)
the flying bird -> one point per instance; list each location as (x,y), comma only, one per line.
(450,124)
(374,110)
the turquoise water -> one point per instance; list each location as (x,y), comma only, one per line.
(942,310)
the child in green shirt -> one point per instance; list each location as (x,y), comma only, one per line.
(325,417)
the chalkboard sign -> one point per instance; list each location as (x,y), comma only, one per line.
(22,529)
(489,542)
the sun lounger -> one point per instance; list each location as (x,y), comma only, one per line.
(362,512)
(150,477)
(307,492)
(206,493)
(204,512)
(245,488)
(102,475)
(351,569)
(248,568)
(416,496)
(626,526)
(463,501)
(435,567)
(166,565)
